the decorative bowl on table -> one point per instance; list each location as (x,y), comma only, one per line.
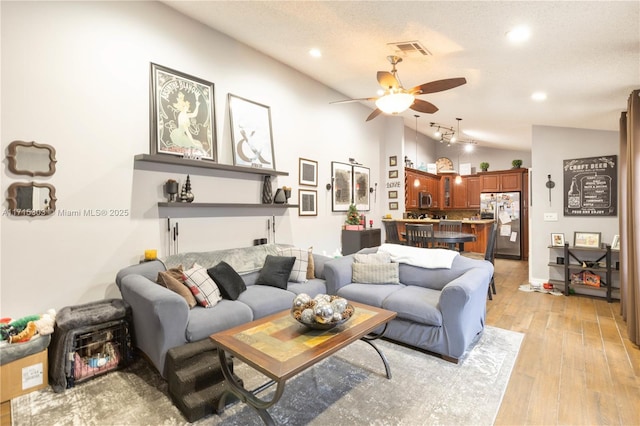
(322,312)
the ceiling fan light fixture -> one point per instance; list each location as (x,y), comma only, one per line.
(395,103)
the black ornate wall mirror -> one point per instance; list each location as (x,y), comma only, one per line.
(31,158)
(31,199)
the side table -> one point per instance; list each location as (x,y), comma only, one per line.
(353,241)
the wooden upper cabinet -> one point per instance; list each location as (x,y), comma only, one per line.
(459,194)
(473,192)
(410,192)
(501,181)
(426,182)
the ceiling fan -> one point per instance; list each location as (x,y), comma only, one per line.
(397,99)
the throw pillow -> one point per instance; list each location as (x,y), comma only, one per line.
(376,273)
(301,265)
(202,286)
(311,267)
(276,271)
(173,279)
(229,281)
(380,257)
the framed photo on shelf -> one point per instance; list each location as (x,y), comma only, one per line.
(393,174)
(341,186)
(182,115)
(615,245)
(308,172)
(251,135)
(586,239)
(361,188)
(393,205)
(393,195)
(393,161)
(307,202)
(557,240)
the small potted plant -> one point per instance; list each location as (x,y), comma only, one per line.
(516,164)
(484,166)
(353,219)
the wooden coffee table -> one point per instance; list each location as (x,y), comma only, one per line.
(280,347)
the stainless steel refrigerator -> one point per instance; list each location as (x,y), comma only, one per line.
(505,208)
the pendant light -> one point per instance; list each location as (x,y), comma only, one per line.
(458,179)
(416,181)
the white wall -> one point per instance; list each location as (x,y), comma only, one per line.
(75,75)
(552,145)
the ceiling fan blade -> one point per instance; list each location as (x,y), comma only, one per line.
(387,80)
(438,85)
(424,106)
(374,114)
(352,100)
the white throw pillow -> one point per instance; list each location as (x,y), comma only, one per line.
(202,286)
(376,273)
(299,270)
(379,257)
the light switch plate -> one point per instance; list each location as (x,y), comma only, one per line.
(551,217)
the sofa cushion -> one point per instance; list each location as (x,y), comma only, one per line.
(276,271)
(375,273)
(312,287)
(227,314)
(266,300)
(380,257)
(228,280)
(368,294)
(202,286)
(437,278)
(301,265)
(173,279)
(416,304)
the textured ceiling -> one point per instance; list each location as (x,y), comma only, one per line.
(585,55)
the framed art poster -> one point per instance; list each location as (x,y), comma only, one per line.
(308,170)
(341,186)
(251,136)
(590,186)
(586,239)
(182,115)
(307,202)
(361,188)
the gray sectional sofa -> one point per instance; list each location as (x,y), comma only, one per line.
(162,318)
(439,310)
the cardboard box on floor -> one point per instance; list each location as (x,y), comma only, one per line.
(24,375)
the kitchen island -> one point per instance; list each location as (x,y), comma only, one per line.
(479,227)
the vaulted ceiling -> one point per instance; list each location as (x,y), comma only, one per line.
(584,55)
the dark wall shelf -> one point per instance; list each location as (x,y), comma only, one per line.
(173,210)
(204,164)
(225,205)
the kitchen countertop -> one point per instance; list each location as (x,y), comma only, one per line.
(479,221)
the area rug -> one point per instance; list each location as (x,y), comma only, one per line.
(347,388)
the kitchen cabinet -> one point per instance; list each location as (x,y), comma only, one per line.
(473,192)
(466,194)
(459,194)
(417,181)
(502,181)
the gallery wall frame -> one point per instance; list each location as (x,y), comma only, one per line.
(393,174)
(307,172)
(307,202)
(393,161)
(557,240)
(393,205)
(393,195)
(615,244)
(182,114)
(251,133)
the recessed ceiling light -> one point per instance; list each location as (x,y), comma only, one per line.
(315,53)
(468,148)
(539,96)
(519,34)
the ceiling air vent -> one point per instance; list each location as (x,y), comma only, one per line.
(410,48)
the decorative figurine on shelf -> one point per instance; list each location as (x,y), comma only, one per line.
(280,197)
(353,219)
(186,196)
(287,193)
(171,186)
(370,223)
(267,190)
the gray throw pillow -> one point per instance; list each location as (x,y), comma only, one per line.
(276,271)
(228,280)
(376,273)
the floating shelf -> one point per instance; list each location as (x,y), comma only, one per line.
(204,164)
(227,205)
(186,210)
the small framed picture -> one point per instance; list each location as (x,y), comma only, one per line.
(393,174)
(557,240)
(586,239)
(393,195)
(393,205)
(307,202)
(308,172)
(393,161)
(615,245)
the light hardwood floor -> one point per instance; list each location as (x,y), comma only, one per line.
(576,365)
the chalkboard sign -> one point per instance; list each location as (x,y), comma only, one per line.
(590,186)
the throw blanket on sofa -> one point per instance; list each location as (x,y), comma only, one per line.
(425,258)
